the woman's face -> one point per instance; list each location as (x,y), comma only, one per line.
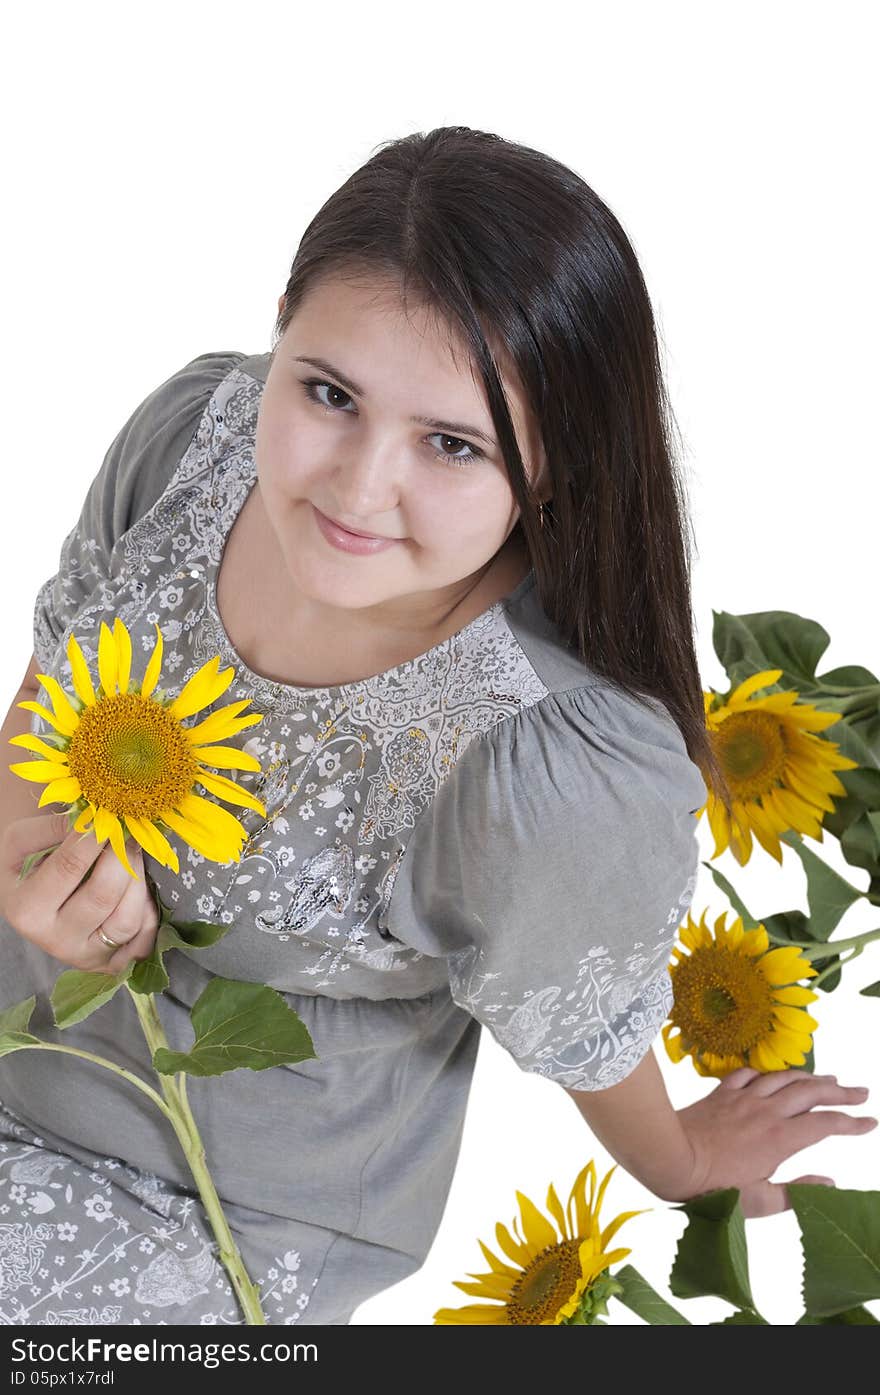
(342,440)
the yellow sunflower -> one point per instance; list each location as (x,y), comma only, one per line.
(124,760)
(736,1001)
(552,1278)
(781,775)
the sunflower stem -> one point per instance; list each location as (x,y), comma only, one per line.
(184,1124)
(100,1061)
(815,949)
(834,968)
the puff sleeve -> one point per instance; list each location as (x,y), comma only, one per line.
(134,473)
(552,871)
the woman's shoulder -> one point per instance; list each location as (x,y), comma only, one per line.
(580,735)
(569,681)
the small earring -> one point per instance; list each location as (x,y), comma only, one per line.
(541,515)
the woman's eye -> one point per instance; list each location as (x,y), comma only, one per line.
(471,452)
(311,386)
(452,457)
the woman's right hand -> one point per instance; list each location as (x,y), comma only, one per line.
(54,909)
(753,1120)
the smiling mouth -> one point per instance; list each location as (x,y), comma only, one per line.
(356,532)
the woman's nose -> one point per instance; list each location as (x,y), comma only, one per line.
(366,482)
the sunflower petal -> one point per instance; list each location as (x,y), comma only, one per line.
(488,1286)
(220,724)
(212,816)
(151,677)
(537,1230)
(516,1252)
(117,842)
(579,1223)
(123,654)
(763,1059)
(795,1018)
(782,966)
(202,839)
(764,679)
(475,1313)
(85,820)
(601,1195)
(203,688)
(107,665)
(795,995)
(554,1206)
(82,681)
(228,789)
(42,748)
(497,1264)
(61,792)
(226,757)
(40,770)
(153,841)
(66,715)
(614,1226)
(41,711)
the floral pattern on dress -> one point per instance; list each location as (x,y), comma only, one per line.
(590,1035)
(114,1244)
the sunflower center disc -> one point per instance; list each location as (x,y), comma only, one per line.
(131,756)
(136,756)
(545,1285)
(753,751)
(717,1002)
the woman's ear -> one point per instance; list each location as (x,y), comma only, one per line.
(280,302)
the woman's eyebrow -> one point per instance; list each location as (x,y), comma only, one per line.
(454,428)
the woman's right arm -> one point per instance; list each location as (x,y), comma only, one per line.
(51,907)
(734,1137)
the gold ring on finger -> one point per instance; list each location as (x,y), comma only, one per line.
(111,944)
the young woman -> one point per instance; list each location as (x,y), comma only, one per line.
(438,533)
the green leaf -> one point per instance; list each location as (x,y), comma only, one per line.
(712,1257)
(13,1026)
(77,993)
(872,990)
(829,895)
(743,1318)
(149,975)
(645,1302)
(850,1317)
(239,1024)
(736,901)
(840,1237)
(763,639)
(862,794)
(860,842)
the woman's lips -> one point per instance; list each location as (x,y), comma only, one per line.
(350,542)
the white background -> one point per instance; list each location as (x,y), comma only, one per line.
(161,163)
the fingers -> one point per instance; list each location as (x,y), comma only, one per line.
(25,836)
(112,901)
(95,901)
(822,1090)
(138,947)
(736,1079)
(767,1198)
(803,1130)
(133,924)
(124,921)
(771,1081)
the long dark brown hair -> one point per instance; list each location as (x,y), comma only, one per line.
(505,243)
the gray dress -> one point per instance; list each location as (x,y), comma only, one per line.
(487,836)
